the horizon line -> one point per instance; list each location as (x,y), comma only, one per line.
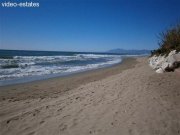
(69,51)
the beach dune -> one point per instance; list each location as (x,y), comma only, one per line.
(126,99)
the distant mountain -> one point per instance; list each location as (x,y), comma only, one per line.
(133,52)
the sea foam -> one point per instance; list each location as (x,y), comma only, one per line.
(24,66)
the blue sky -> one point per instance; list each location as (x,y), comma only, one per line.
(87,25)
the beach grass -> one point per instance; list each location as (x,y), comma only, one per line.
(168,40)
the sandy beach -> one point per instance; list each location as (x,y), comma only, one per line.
(126,99)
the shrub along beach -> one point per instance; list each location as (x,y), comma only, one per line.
(90,67)
(167,57)
(128,98)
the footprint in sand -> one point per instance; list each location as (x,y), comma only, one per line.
(63,127)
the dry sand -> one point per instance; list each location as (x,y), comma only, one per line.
(127,99)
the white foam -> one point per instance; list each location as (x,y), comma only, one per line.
(31,65)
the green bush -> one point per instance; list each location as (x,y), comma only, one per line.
(169,40)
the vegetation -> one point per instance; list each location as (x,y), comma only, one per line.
(169,40)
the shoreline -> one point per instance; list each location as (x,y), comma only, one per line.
(20,67)
(32,79)
(77,79)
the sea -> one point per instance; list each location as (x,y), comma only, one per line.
(19,66)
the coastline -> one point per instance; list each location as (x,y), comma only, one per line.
(65,83)
(129,98)
(38,78)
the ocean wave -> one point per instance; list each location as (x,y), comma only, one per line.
(96,55)
(24,66)
(92,66)
(6,57)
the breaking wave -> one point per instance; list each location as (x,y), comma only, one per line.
(24,66)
